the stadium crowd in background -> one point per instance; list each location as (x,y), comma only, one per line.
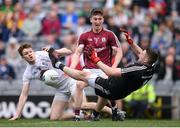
(152,23)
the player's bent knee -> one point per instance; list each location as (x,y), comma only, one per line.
(80,86)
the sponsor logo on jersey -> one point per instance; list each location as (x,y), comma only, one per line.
(89,39)
(100,49)
(103,40)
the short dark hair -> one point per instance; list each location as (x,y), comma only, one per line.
(96,11)
(22,47)
(152,55)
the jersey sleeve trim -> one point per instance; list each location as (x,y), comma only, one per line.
(116,39)
(132,69)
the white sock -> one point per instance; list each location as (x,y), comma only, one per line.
(57,64)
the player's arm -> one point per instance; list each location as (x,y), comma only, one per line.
(22,100)
(110,71)
(118,56)
(63,52)
(76,56)
(59,52)
(76,74)
(136,49)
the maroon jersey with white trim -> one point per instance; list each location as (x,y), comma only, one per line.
(102,42)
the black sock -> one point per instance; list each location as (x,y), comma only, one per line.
(113,104)
(59,65)
(95,113)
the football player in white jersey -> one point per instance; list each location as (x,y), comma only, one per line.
(37,63)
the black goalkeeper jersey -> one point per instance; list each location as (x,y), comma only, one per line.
(133,77)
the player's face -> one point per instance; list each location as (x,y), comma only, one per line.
(97,22)
(28,55)
(142,56)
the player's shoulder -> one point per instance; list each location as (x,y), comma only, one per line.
(108,31)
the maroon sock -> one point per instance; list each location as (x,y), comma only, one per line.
(77,111)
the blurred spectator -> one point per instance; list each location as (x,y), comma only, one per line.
(86,8)
(138,16)
(120,17)
(162,39)
(171,51)
(12,55)
(2,48)
(141,3)
(6,70)
(69,19)
(51,24)
(159,6)
(19,14)
(112,26)
(54,7)
(167,69)
(6,11)
(39,12)
(32,3)
(128,56)
(14,31)
(177,42)
(109,4)
(4,31)
(70,41)
(176,19)
(141,100)
(144,43)
(169,23)
(177,69)
(53,40)
(81,26)
(7,8)
(31,26)
(145,31)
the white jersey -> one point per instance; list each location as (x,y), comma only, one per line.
(43,62)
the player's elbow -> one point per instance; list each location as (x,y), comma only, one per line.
(115,72)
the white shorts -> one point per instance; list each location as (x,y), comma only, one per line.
(92,78)
(67,93)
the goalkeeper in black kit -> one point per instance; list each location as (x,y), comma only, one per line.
(121,81)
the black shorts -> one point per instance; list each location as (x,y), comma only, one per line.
(109,91)
(103,88)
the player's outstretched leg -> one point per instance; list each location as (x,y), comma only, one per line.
(52,56)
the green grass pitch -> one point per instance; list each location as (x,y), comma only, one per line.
(85,123)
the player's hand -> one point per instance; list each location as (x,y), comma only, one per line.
(53,52)
(50,49)
(127,35)
(46,49)
(91,53)
(53,56)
